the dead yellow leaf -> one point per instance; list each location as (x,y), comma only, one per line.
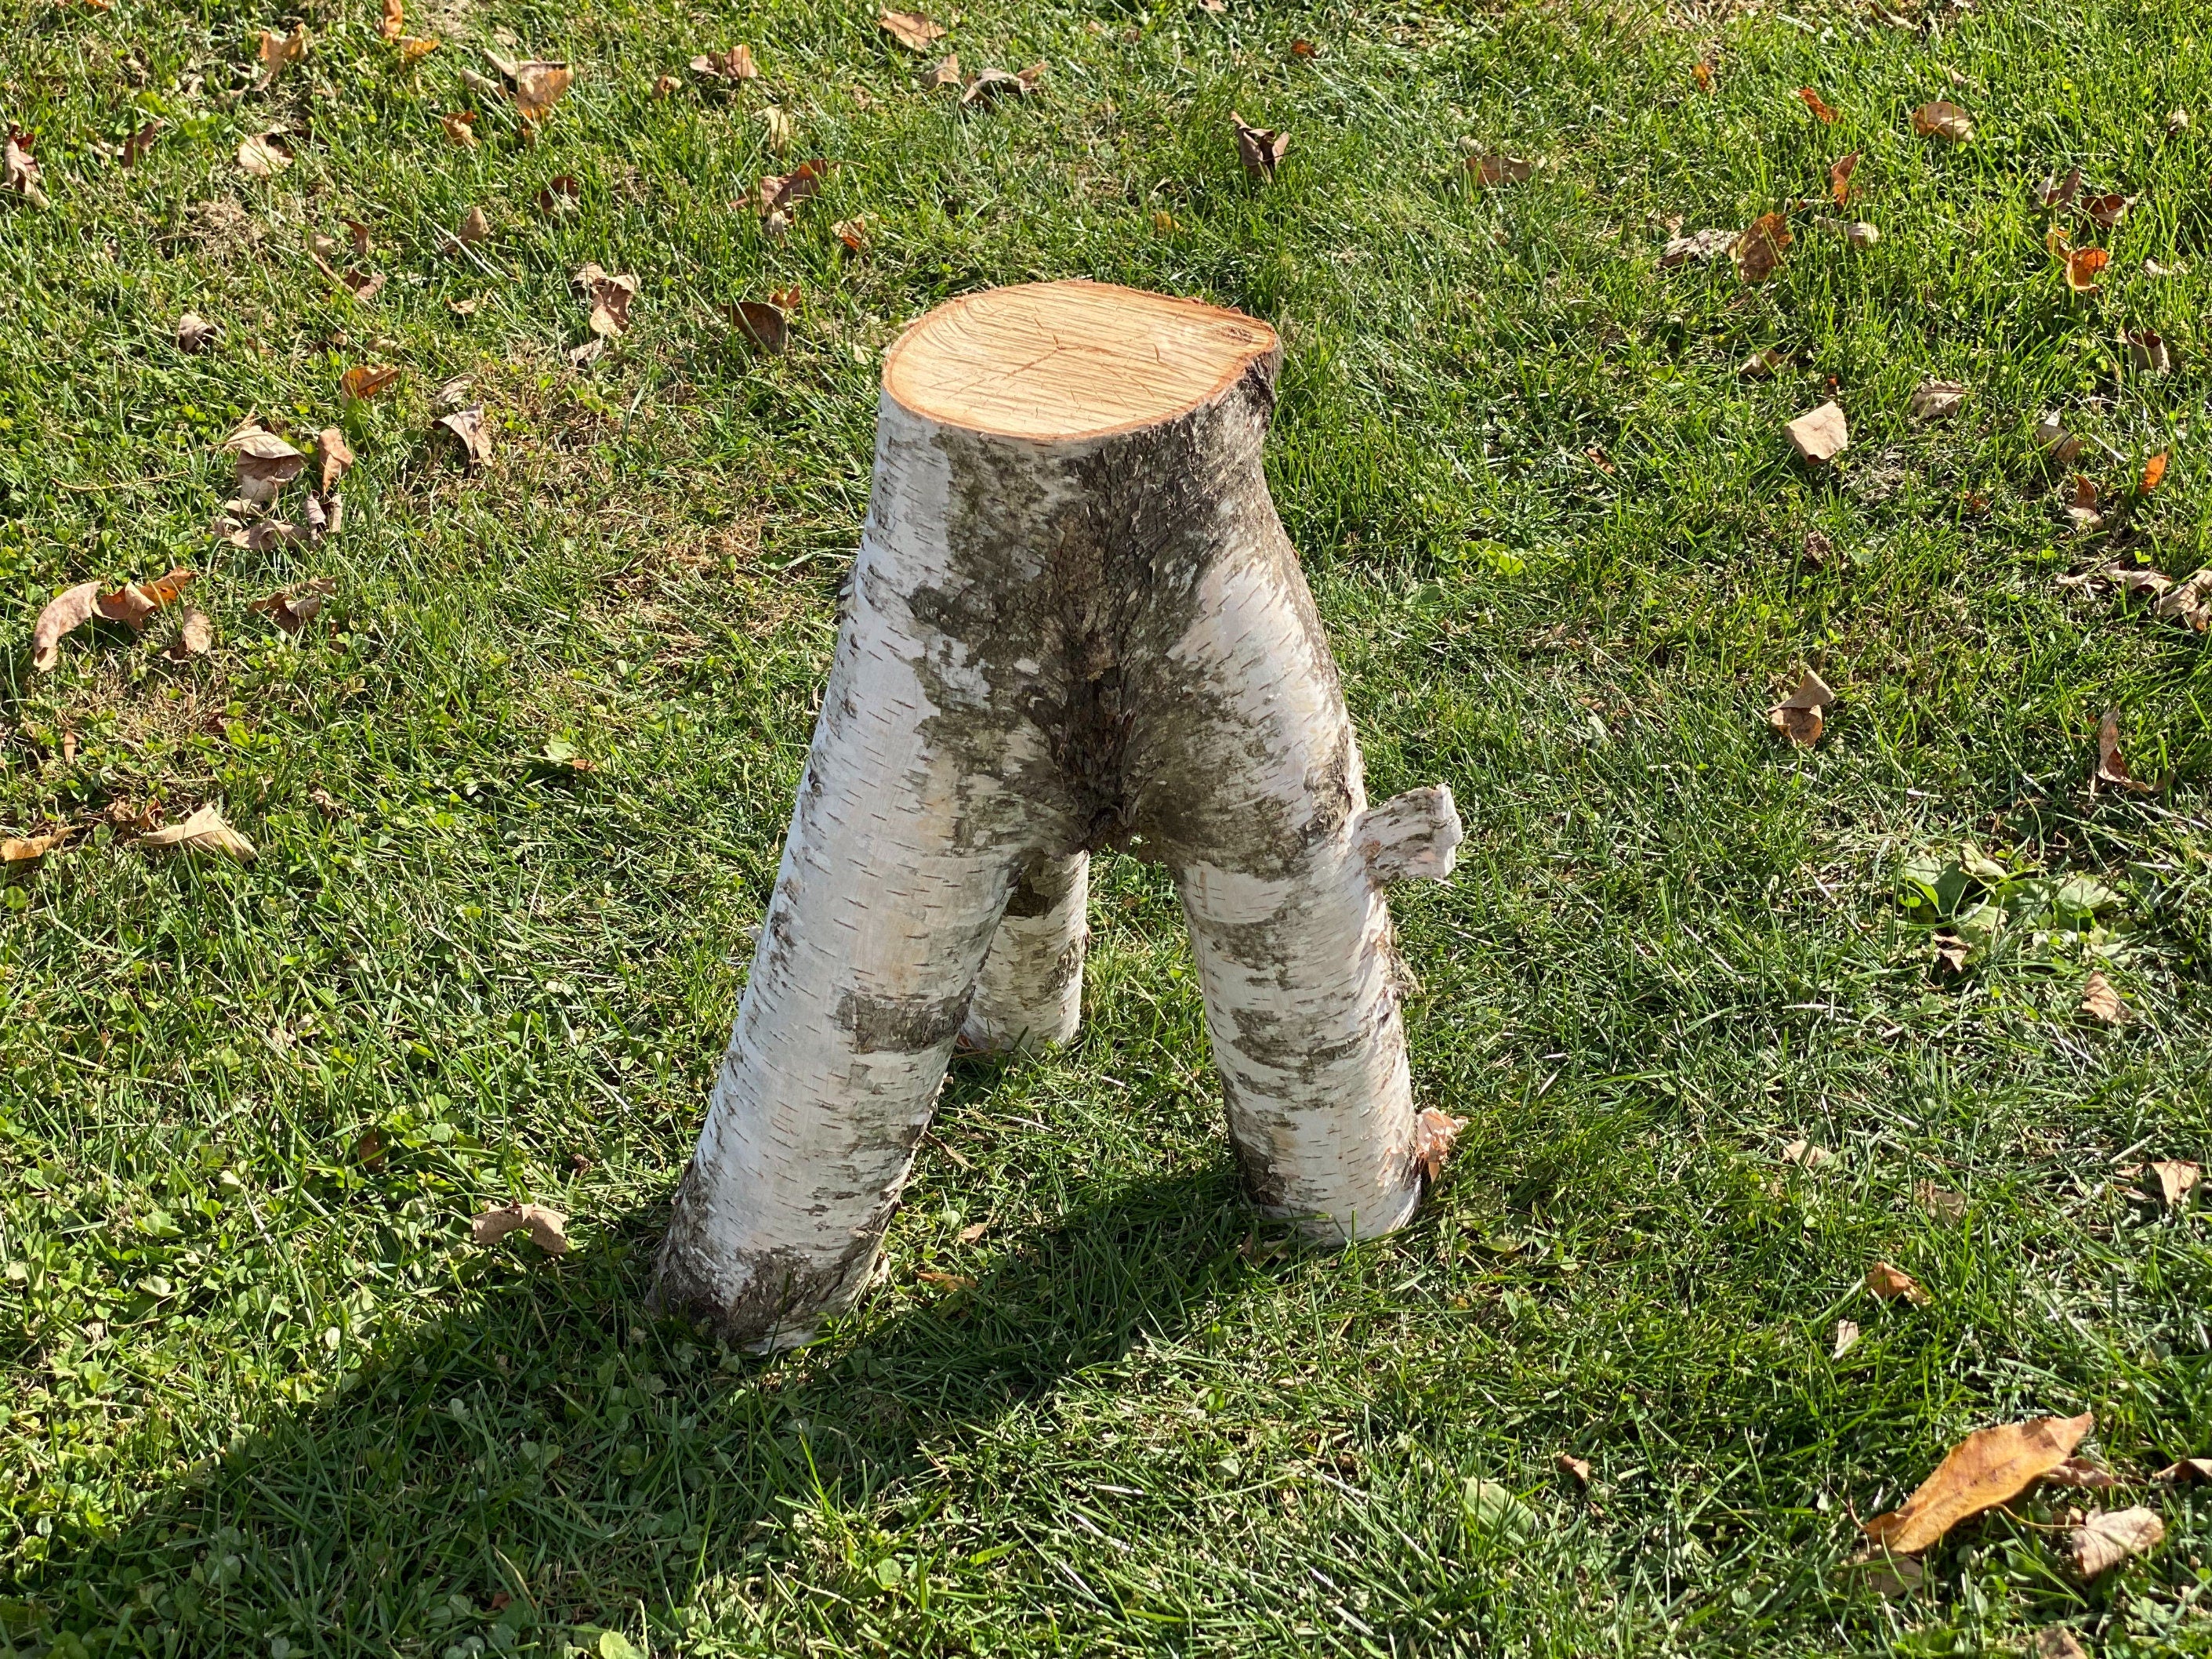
(2101,1002)
(1798,716)
(1989,1467)
(278,50)
(21,849)
(362,382)
(782,129)
(2176,1179)
(1812,101)
(414,48)
(945,1281)
(2153,472)
(460,127)
(1435,1133)
(2106,1539)
(547,1229)
(1891,1284)
(1945,121)
(1260,149)
(203,832)
(909,28)
(538,87)
(1819,435)
(394,21)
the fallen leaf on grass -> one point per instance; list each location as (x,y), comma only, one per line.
(781,193)
(278,50)
(414,48)
(264,156)
(1818,550)
(332,451)
(563,194)
(547,1229)
(2082,1474)
(2148,352)
(735,64)
(853,233)
(2058,192)
(1891,1284)
(2188,603)
(2083,266)
(1861,234)
(1487,171)
(2059,1643)
(782,129)
(946,74)
(2188,1471)
(194,333)
(763,325)
(2106,1539)
(1797,716)
(393,23)
(609,297)
(195,637)
(2176,1179)
(136,146)
(1806,1156)
(945,1281)
(66,612)
(1696,249)
(665,86)
(987,84)
(1938,1201)
(460,127)
(2060,446)
(1758,252)
(135,603)
(203,832)
(974,1234)
(362,382)
(1839,179)
(1945,121)
(1820,434)
(1760,364)
(19,169)
(1847,1337)
(909,28)
(476,226)
(1989,1467)
(1933,399)
(1812,101)
(2106,211)
(2111,765)
(1260,149)
(2101,1002)
(1890,1576)
(21,849)
(294,607)
(1435,1133)
(468,425)
(1951,953)
(1702,75)
(538,87)
(1568,1463)
(2154,471)
(266,462)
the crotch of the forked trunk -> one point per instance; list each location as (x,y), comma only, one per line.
(1074,623)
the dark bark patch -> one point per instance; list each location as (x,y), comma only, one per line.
(900,1025)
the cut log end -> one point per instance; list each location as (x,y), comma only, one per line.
(1057,362)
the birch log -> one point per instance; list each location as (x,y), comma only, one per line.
(1075,623)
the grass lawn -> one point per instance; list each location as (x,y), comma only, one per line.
(262,1395)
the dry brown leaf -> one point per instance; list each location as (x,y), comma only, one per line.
(762,325)
(909,28)
(609,297)
(2148,352)
(1258,149)
(194,333)
(135,603)
(2111,765)
(945,1281)
(21,849)
(1859,234)
(1798,717)
(2189,603)
(853,233)
(359,233)
(735,64)
(782,129)
(2106,211)
(136,146)
(2058,192)
(278,50)
(2154,471)
(1847,1337)
(1568,1463)
(2176,1179)
(332,452)
(1818,550)
(547,1229)
(264,156)
(1891,1284)
(414,48)
(1760,364)
(460,126)
(2106,1539)
(538,87)
(2083,266)
(393,23)
(1435,1133)
(665,86)
(2059,1643)
(2188,1471)
(987,84)
(203,832)
(1820,434)
(974,1234)
(2101,1002)
(1305,49)
(1806,1156)
(1758,252)
(564,194)
(195,636)
(476,226)
(946,74)
(1814,102)
(782,192)
(1945,121)
(1887,1576)
(1696,249)
(266,462)
(1989,1467)
(1839,179)
(1933,399)
(468,426)
(1487,171)
(1938,1201)
(294,607)
(19,169)
(2082,1474)
(1702,75)
(362,382)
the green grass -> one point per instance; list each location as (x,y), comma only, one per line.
(262,1396)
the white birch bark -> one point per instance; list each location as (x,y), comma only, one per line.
(1075,623)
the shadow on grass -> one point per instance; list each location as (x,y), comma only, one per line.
(552,1458)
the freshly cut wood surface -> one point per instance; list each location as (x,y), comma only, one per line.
(1052,360)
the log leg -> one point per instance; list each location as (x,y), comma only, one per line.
(1030,994)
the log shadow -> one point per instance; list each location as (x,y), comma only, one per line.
(555,1457)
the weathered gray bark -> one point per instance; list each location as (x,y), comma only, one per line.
(1057,644)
